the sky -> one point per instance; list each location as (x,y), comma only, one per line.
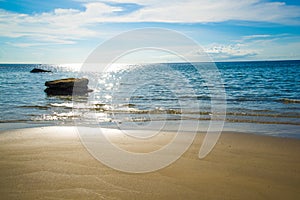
(67,31)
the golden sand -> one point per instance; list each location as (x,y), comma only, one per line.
(51,163)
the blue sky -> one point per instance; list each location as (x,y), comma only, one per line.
(66,31)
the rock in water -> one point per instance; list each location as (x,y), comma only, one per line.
(68,82)
(37,70)
(68,86)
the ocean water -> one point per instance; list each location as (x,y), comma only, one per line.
(258,94)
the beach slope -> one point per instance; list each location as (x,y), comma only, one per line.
(51,163)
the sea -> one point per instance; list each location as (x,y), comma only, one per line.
(260,97)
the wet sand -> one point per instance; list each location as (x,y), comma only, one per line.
(51,163)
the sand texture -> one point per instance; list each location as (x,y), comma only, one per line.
(51,163)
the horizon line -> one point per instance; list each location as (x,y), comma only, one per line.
(33,63)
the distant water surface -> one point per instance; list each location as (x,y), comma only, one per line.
(256,93)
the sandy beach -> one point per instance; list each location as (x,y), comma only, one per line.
(51,163)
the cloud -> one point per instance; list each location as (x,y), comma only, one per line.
(61,26)
(230,52)
(195,11)
(249,37)
(33,44)
(67,26)
(256,47)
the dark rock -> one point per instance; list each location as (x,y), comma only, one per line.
(36,70)
(67,83)
(69,86)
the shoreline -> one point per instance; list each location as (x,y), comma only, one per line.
(51,162)
(271,130)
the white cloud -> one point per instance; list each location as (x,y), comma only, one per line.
(62,26)
(73,24)
(68,26)
(248,37)
(197,11)
(257,47)
(231,52)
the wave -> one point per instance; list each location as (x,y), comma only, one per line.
(35,106)
(130,108)
(56,116)
(262,122)
(14,121)
(64,105)
(286,101)
(291,115)
(65,118)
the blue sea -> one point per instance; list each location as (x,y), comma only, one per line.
(261,97)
